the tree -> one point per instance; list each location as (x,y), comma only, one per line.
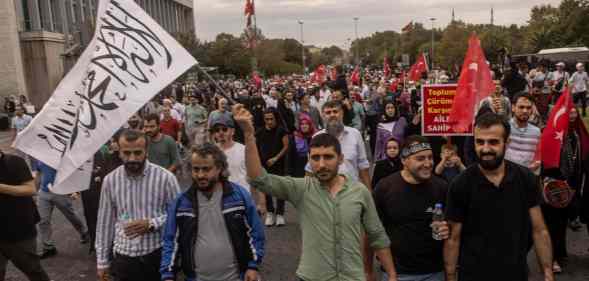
(453,45)
(228,53)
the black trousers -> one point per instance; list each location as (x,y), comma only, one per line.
(583,97)
(91,202)
(143,268)
(270,205)
(556,222)
(23,254)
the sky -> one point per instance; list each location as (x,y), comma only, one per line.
(331,22)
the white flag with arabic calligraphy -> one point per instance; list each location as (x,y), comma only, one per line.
(129,60)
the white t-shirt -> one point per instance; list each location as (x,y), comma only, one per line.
(579,81)
(236,161)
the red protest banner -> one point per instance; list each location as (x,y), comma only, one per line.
(437,103)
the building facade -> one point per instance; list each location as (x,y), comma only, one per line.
(43,38)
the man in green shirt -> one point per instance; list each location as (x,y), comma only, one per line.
(334,211)
(162,149)
(195,121)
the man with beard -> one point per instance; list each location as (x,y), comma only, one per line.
(132,211)
(222,132)
(334,210)
(214,224)
(355,163)
(493,211)
(405,202)
(524,137)
(162,149)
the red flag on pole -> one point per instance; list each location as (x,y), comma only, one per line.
(249,11)
(256,80)
(386,68)
(355,78)
(418,68)
(475,83)
(555,131)
(319,74)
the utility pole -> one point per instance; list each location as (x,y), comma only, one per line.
(432,54)
(301,23)
(357,42)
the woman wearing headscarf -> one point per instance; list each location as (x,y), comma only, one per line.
(573,170)
(391,124)
(390,165)
(299,148)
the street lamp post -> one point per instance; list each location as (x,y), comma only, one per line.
(357,43)
(432,51)
(302,48)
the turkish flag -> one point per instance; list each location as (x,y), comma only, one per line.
(418,68)
(386,68)
(355,78)
(319,74)
(475,83)
(257,80)
(249,7)
(556,128)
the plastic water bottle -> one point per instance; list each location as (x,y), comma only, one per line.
(437,216)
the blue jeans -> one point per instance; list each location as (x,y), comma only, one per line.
(437,276)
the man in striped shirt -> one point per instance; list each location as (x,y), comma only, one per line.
(132,212)
(524,137)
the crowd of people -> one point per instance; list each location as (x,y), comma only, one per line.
(347,155)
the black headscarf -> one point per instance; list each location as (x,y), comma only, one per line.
(384,117)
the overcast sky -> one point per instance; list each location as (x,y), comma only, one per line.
(330,22)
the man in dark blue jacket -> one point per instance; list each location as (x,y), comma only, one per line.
(213,231)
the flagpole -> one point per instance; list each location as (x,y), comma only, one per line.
(223,93)
(255,38)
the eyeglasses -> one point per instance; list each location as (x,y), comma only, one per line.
(219,129)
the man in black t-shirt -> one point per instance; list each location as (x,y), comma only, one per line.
(405,202)
(19,216)
(493,211)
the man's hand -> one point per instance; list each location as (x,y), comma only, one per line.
(442,229)
(75,195)
(548,276)
(534,165)
(244,119)
(103,274)
(271,162)
(416,118)
(136,228)
(251,275)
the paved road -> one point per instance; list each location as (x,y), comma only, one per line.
(73,263)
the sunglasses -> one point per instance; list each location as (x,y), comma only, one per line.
(219,129)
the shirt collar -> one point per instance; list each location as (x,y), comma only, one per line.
(508,178)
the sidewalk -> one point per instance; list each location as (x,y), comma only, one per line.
(5,138)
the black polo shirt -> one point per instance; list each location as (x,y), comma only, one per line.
(18,215)
(406,213)
(496,224)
